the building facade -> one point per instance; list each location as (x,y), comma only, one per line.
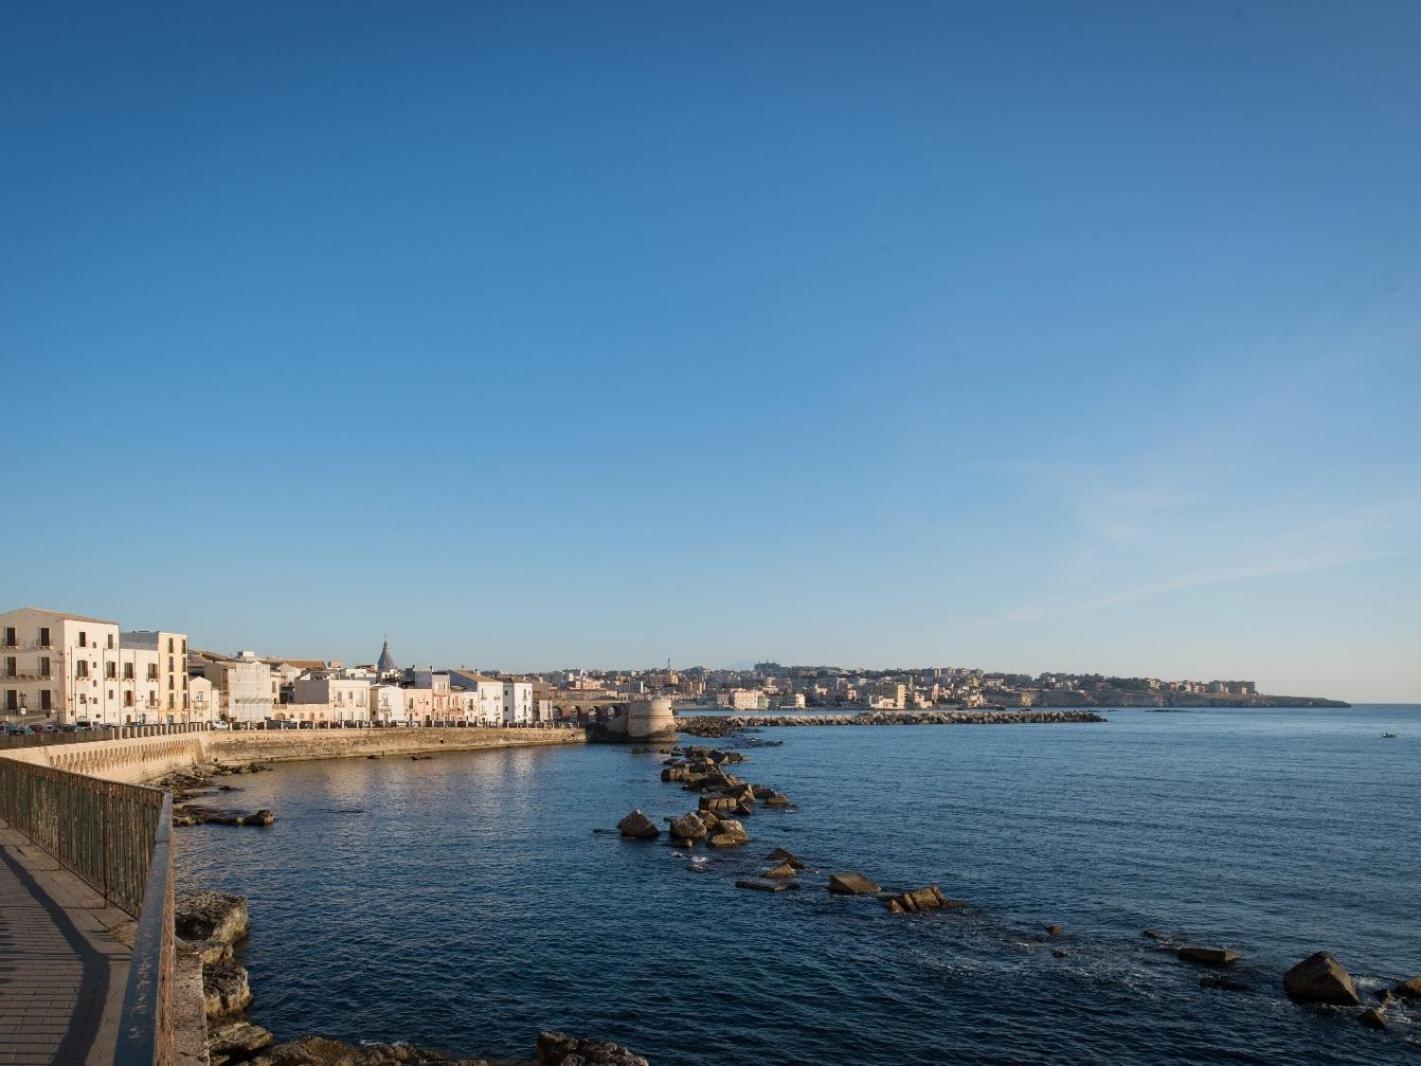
(62,666)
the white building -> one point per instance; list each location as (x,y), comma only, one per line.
(348,698)
(64,666)
(387,705)
(245,685)
(746,699)
(517,702)
(203,699)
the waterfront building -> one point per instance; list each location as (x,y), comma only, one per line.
(487,707)
(385,665)
(154,684)
(63,666)
(244,682)
(333,697)
(387,705)
(517,702)
(745,699)
(203,700)
(885,695)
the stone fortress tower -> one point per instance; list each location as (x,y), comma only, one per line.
(645,721)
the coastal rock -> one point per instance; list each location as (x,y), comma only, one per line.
(1053,930)
(235,1041)
(1057,953)
(1320,978)
(559,1049)
(783,870)
(723,839)
(1409,989)
(192,814)
(1208,956)
(1156,935)
(929,898)
(638,826)
(1373,1018)
(851,883)
(688,827)
(760,885)
(778,800)
(716,803)
(784,855)
(210,924)
(225,990)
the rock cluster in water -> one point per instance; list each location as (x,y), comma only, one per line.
(198,782)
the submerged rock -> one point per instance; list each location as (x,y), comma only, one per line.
(1208,956)
(783,870)
(1373,1018)
(638,826)
(1053,930)
(852,883)
(784,855)
(1320,978)
(930,898)
(191,814)
(559,1049)
(761,886)
(323,1051)
(1409,989)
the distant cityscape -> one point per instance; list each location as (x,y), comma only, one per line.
(75,670)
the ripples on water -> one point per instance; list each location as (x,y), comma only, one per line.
(469,904)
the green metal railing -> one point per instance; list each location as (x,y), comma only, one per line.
(103,831)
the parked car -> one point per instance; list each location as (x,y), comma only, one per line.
(16,730)
(219,724)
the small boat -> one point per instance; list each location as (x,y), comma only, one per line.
(1388,736)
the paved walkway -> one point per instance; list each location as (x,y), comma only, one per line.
(63,962)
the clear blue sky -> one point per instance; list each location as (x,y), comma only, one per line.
(1031,336)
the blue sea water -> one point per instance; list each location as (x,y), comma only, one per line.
(465,902)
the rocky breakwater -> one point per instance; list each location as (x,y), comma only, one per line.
(712,726)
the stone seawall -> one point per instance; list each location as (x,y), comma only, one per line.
(141,759)
(291,745)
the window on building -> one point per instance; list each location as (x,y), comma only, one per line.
(110,641)
(44,666)
(128,698)
(83,639)
(81,668)
(170,701)
(46,700)
(11,639)
(171,682)
(128,671)
(111,670)
(171,668)
(170,648)
(43,636)
(12,699)
(11,667)
(152,671)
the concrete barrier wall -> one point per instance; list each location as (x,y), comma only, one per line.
(140,759)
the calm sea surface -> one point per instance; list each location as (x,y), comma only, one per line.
(465,902)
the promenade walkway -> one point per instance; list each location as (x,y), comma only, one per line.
(63,962)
